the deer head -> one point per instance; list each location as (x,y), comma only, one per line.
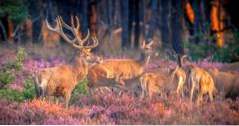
(77,41)
(146,51)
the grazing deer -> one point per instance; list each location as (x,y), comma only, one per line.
(162,82)
(119,70)
(153,83)
(159,81)
(203,81)
(180,74)
(199,79)
(61,80)
(227,83)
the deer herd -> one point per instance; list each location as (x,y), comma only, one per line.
(61,80)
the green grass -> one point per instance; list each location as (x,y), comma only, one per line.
(11,95)
(29,91)
(80,89)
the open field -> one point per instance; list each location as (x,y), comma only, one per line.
(107,107)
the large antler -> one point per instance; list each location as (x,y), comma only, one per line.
(77,40)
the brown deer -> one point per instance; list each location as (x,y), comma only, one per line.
(154,83)
(227,83)
(61,80)
(200,79)
(119,70)
(161,81)
(181,76)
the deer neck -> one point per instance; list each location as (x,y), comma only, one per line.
(144,59)
(81,68)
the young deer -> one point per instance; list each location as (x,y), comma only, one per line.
(119,70)
(200,80)
(160,81)
(61,80)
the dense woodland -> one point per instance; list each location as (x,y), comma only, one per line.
(171,22)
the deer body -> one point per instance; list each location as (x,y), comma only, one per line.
(226,82)
(153,83)
(61,80)
(119,70)
(203,81)
(181,79)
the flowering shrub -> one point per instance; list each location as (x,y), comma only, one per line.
(107,107)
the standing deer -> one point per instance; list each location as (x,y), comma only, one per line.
(119,70)
(200,79)
(61,80)
(227,83)
(161,82)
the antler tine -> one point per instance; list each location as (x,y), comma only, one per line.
(87,36)
(95,44)
(77,22)
(65,25)
(55,29)
(75,29)
(61,32)
(72,22)
(75,25)
(150,44)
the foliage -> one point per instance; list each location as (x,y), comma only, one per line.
(198,51)
(11,95)
(29,91)
(18,62)
(14,95)
(227,54)
(6,77)
(7,72)
(15,9)
(203,50)
(80,89)
(21,55)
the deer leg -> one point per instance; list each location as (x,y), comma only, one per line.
(199,98)
(121,81)
(91,91)
(210,96)
(192,90)
(56,100)
(182,87)
(67,98)
(179,88)
(142,94)
(142,88)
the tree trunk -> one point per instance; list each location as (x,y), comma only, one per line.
(217,22)
(125,38)
(176,27)
(93,19)
(35,9)
(165,32)
(10,30)
(152,24)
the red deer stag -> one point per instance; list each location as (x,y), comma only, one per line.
(61,80)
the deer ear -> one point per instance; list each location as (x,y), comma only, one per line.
(100,59)
(142,45)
